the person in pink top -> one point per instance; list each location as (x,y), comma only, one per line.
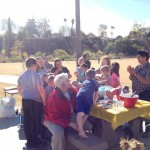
(114,72)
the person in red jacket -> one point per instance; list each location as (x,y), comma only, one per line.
(59,109)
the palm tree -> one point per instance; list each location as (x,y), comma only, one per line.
(112,28)
(65,20)
(72,22)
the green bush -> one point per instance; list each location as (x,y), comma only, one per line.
(15,59)
(4,59)
(62,54)
(113,55)
(39,54)
(3,52)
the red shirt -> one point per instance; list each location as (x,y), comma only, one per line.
(58,109)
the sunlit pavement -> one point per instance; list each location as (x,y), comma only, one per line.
(9,79)
(12,138)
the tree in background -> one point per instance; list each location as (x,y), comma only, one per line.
(102,30)
(7,26)
(139,31)
(32,29)
(111,33)
(22,33)
(44,28)
(72,30)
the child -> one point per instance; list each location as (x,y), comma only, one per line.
(80,73)
(105,60)
(105,77)
(114,72)
(86,95)
(50,86)
(45,80)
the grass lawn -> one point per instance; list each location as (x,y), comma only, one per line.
(17,69)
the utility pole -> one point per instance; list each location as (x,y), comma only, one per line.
(78,33)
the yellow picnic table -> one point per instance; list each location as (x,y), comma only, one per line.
(107,120)
(119,117)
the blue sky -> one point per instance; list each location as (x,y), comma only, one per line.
(118,13)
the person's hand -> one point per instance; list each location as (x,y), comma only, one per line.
(129,68)
(74,126)
(132,71)
(59,69)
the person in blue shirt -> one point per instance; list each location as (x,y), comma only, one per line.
(87,95)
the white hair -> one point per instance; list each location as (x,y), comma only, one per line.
(60,79)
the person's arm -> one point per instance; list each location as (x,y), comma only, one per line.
(143,80)
(19,89)
(69,75)
(65,69)
(95,96)
(55,71)
(131,77)
(129,68)
(42,93)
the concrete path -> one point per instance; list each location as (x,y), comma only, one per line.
(9,79)
(12,138)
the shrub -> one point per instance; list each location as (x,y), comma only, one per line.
(114,56)
(39,54)
(62,54)
(3,52)
(4,59)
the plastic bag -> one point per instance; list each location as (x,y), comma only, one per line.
(7,107)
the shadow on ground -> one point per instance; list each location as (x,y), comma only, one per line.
(8,122)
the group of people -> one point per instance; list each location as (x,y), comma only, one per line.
(106,74)
(50,99)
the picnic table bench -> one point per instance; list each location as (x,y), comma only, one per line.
(74,142)
(10,90)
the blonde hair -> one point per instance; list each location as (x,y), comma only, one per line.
(104,68)
(107,58)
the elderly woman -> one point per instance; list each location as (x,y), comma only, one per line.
(59,110)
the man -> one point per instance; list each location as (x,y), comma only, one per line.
(140,77)
(30,87)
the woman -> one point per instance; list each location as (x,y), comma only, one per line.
(59,110)
(84,60)
(58,68)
